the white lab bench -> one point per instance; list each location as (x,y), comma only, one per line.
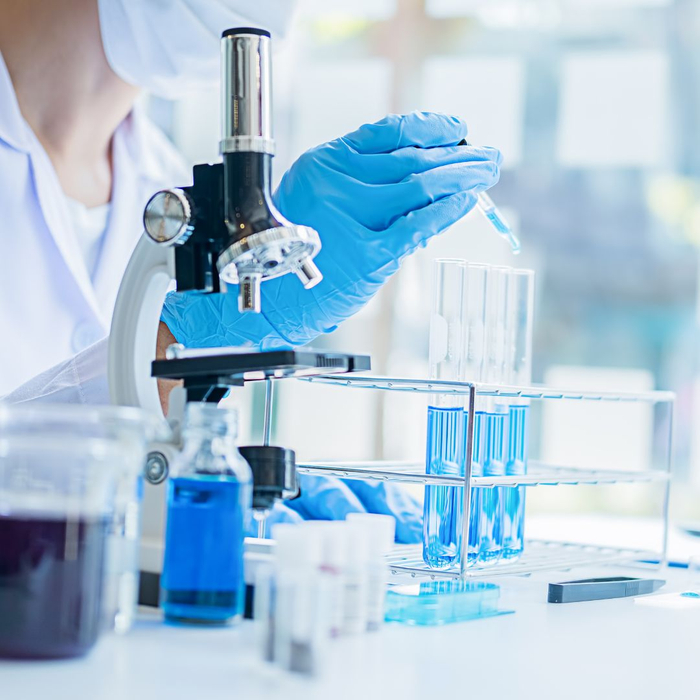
(605,649)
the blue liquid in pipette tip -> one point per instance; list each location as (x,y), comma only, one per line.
(498,221)
(490,528)
(442,514)
(516,464)
(499,224)
(202,577)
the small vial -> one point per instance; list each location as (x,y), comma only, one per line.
(379,531)
(333,553)
(300,625)
(356,581)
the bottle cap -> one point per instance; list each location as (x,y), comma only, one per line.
(380,529)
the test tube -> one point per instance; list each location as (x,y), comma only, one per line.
(519,373)
(491,453)
(473,365)
(442,531)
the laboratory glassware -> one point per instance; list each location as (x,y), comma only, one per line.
(551,551)
(472,369)
(442,602)
(498,221)
(442,531)
(209,499)
(490,501)
(521,295)
(65,472)
(493,215)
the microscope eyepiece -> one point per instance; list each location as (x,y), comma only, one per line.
(245,30)
(262,243)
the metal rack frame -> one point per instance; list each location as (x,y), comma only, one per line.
(538,555)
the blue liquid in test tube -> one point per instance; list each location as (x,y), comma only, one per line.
(519,373)
(491,511)
(443,508)
(516,465)
(443,504)
(476,507)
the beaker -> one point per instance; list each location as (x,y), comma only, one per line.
(62,472)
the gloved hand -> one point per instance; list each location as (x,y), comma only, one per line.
(328,498)
(374,196)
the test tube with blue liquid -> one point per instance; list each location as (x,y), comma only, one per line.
(443,508)
(519,373)
(473,371)
(490,501)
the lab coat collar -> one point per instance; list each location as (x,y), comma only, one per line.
(14,130)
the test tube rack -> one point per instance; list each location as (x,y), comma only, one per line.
(538,555)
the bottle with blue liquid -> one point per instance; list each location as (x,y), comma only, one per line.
(209,497)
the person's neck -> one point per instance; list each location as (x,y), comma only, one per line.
(65,88)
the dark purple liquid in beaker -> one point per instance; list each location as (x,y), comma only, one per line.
(51,578)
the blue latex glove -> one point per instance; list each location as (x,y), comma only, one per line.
(328,498)
(374,196)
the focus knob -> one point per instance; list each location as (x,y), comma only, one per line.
(167,217)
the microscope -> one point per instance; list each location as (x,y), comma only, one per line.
(223,230)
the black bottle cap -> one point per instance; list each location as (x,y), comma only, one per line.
(246,30)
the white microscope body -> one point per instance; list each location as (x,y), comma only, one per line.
(189,238)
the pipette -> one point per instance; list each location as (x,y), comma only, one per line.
(493,214)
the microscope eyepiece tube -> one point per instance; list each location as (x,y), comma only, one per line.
(246,116)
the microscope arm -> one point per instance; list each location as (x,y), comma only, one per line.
(134,331)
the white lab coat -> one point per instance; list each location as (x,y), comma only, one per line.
(54,319)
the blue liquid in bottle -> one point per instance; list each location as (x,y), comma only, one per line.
(490,527)
(442,513)
(516,464)
(202,577)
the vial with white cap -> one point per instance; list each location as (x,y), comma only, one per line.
(301,610)
(334,544)
(356,580)
(379,531)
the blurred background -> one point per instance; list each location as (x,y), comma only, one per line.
(595,106)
